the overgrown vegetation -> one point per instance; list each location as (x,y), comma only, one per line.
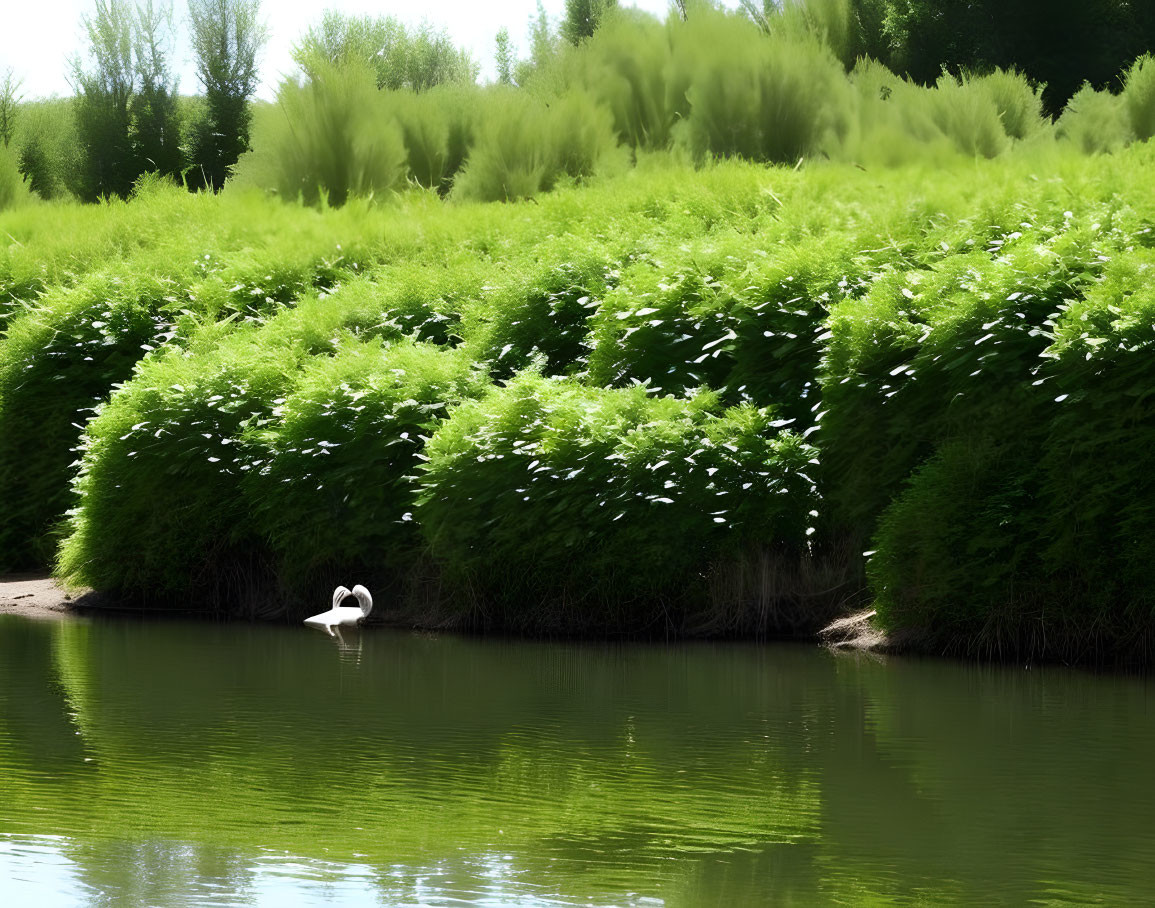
(773,338)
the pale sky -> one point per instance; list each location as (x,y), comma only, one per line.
(38,37)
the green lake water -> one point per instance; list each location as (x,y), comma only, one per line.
(172,763)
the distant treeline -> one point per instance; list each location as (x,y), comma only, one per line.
(709,84)
(378,105)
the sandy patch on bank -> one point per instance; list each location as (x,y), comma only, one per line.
(34,596)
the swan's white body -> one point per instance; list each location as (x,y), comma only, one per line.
(343,615)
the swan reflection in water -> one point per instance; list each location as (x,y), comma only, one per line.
(343,615)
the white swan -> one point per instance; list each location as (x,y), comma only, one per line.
(343,615)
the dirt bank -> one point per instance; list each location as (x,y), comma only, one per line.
(34,596)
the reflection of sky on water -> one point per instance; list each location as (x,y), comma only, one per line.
(39,871)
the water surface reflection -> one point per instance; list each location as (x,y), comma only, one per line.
(172,763)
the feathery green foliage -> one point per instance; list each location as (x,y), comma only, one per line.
(544,495)
(1094,121)
(524,146)
(761,369)
(765,99)
(331,489)
(331,137)
(438,128)
(48,148)
(1139,97)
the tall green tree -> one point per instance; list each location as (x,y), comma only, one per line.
(155,115)
(582,18)
(227,36)
(544,41)
(504,57)
(401,57)
(104,90)
(9,106)
(1058,43)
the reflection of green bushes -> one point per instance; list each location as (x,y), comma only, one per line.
(733,749)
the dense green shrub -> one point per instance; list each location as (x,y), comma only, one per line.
(1094,121)
(1139,97)
(576,507)
(160,475)
(1018,102)
(525,146)
(64,354)
(1098,536)
(968,116)
(956,565)
(764,98)
(627,66)
(544,316)
(437,127)
(57,362)
(163,463)
(742,315)
(512,157)
(335,138)
(1036,541)
(331,489)
(929,355)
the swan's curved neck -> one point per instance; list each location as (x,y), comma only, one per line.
(363,599)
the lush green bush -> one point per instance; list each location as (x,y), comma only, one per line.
(544,316)
(560,505)
(730,314)
(205,440)
(1019,103)
(334,139)
(1036,540)
(1139,97)
(331,488)
(160,477)
(761,98)
(57,362)
(627,66)
(47,147)
(438,129)
(66,351)
(968,116)
(525,145)
(1094,121)
(929,355)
